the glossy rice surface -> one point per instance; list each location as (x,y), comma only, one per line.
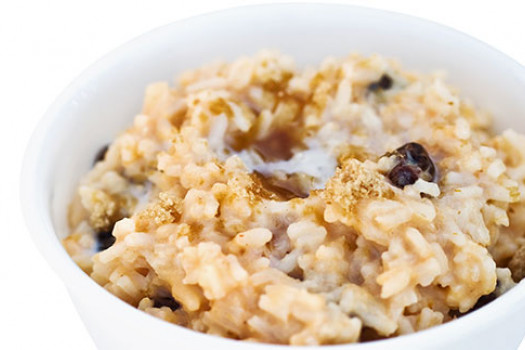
(256,200)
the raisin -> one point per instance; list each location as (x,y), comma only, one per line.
(104,240)
(385,82)
(412,162)
(164,298)
(369,334)
(101,154)
(454,313)
(482,301)
(414,154)
(402,175)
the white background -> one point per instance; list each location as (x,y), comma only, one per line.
(44,44)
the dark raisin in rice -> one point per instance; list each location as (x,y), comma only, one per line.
(482,301)
(165,300)
(385,82)
(104,240)
(101,154)
(415,154)
(402,175)
(412,162)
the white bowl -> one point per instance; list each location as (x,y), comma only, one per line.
(104,99)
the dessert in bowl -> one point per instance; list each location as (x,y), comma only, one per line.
(308,204)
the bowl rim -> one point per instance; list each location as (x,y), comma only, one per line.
(37,213)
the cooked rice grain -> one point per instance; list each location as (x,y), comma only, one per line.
(256,194)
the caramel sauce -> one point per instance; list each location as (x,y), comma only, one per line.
(273,188)
(276,146)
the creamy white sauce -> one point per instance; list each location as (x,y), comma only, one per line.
(142,194)
(216,136)
(318,161)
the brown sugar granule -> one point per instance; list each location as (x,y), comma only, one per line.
(164,211)
(104,210)
(353,182)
